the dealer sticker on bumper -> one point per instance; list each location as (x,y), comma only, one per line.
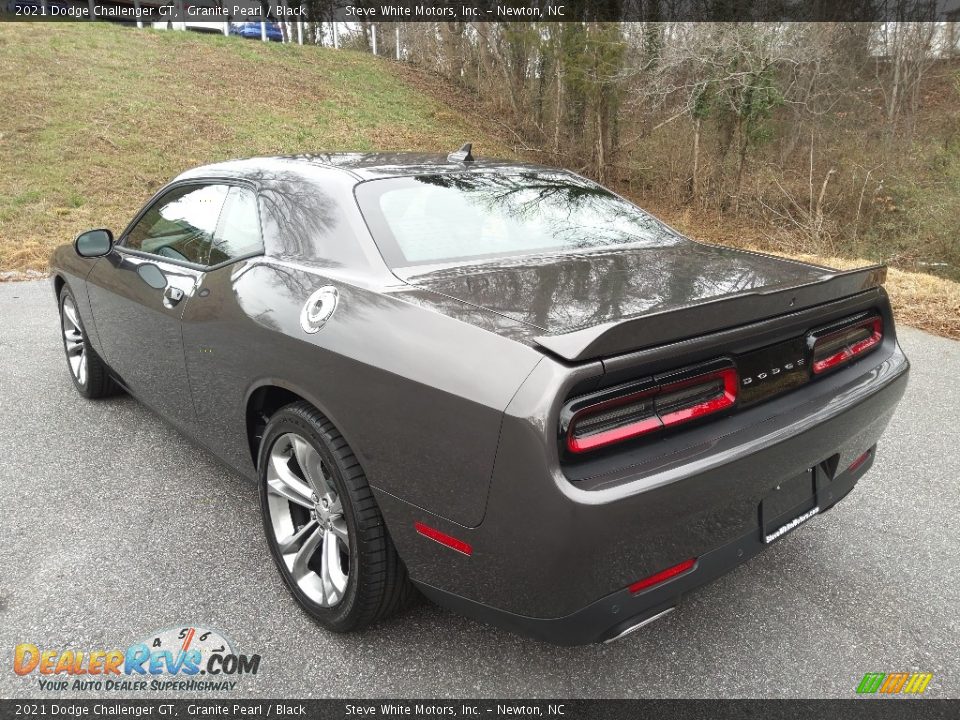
(784,529)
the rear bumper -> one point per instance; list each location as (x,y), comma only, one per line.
(612,616)
(554,559)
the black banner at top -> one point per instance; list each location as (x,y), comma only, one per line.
(649,10)
(381,11)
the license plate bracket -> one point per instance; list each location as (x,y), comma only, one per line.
(789,504)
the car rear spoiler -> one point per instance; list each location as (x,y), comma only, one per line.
(659,328)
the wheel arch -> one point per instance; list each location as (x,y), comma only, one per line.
(58,283)
(264,399)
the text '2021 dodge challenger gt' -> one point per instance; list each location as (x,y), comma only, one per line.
(498,383)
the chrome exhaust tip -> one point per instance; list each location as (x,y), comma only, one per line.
(637,626)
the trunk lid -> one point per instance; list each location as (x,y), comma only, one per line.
(598,304)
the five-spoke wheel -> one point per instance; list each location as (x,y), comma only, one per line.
(307,519)
(323,526)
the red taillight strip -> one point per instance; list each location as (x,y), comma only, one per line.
(656,421)
(590,442)
(451,542)
(874,324)
(663,575)
(729,396)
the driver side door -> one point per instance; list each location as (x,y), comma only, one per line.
(138,294)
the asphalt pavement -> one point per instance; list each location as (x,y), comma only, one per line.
(113,525)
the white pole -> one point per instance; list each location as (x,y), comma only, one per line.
(336,36)
(373,28)
(286,28)
(398,41)
(263,30)
(300,30)
(136,6)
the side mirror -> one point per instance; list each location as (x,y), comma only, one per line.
(93,243)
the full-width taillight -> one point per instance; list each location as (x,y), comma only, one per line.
(649,408)
(835,348)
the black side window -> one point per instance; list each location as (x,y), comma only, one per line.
(238,232)
(181,224)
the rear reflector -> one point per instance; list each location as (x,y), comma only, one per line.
(444,539)
(640,413)
(663,575)
(859,461)
(835,348)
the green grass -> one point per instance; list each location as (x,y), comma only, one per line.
(95,117)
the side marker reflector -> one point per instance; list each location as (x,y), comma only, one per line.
(859,461)
(451,542)
(663,575)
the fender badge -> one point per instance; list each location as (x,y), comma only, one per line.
(318,309)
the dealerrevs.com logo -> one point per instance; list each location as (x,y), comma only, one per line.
(178,659)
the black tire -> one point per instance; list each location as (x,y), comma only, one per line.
(377,584)
(94,381)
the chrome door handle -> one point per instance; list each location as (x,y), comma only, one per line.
(172,295)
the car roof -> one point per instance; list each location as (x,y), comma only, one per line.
(361,166)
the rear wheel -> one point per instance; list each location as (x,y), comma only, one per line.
(323,526)
(89,373)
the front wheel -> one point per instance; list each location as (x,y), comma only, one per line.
(88,372)
(323,526)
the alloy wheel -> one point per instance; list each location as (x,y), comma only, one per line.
(307,521)
(73,340)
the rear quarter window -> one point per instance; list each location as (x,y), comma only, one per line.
(238,231)
(304,220)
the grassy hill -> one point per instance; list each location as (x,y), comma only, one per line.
(95,117)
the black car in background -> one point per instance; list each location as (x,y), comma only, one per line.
(498,383)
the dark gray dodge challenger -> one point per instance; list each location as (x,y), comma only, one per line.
(500,384)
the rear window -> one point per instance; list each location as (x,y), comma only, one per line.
(433,219)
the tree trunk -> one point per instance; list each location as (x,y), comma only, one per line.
(741,164)
(894,100)
(601,162)
(696,159)
(559,111)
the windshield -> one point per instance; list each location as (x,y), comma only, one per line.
(433,219)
